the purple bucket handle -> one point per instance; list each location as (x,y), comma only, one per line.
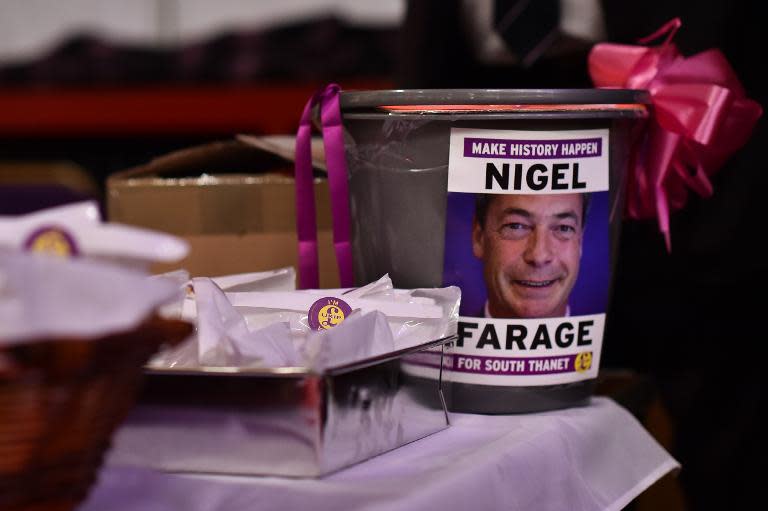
(306,216)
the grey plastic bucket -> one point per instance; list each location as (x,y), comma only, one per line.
(397,143)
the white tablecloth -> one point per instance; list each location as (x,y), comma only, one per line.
(590,458)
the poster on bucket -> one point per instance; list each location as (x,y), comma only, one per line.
(527,241)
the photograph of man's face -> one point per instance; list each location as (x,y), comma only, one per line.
(530,247)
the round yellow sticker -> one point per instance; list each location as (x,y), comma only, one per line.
(328,312)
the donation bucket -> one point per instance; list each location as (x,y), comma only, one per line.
(515,196)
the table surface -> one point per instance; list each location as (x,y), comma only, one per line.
(587,458)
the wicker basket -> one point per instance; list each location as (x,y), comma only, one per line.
(60,401)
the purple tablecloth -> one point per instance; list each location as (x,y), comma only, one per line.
(596,457)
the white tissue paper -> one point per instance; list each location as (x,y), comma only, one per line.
(269,327)
(77,230)
(44,298)
(220,339)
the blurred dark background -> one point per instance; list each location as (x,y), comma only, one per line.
(106,85)
(86,91)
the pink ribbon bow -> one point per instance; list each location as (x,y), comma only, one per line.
(701,116)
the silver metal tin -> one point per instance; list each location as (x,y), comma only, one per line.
(285,422)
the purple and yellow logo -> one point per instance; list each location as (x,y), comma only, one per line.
(52,240)
(328,312)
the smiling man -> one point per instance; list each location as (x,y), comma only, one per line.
(530,246)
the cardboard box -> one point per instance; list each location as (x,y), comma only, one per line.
(234,201)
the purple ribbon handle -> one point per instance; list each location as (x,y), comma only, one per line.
(306,216)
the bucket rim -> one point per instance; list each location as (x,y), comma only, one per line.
(603,99)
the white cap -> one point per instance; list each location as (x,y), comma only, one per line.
(77,229)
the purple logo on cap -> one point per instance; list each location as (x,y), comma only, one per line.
(52,240)
(328,312)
